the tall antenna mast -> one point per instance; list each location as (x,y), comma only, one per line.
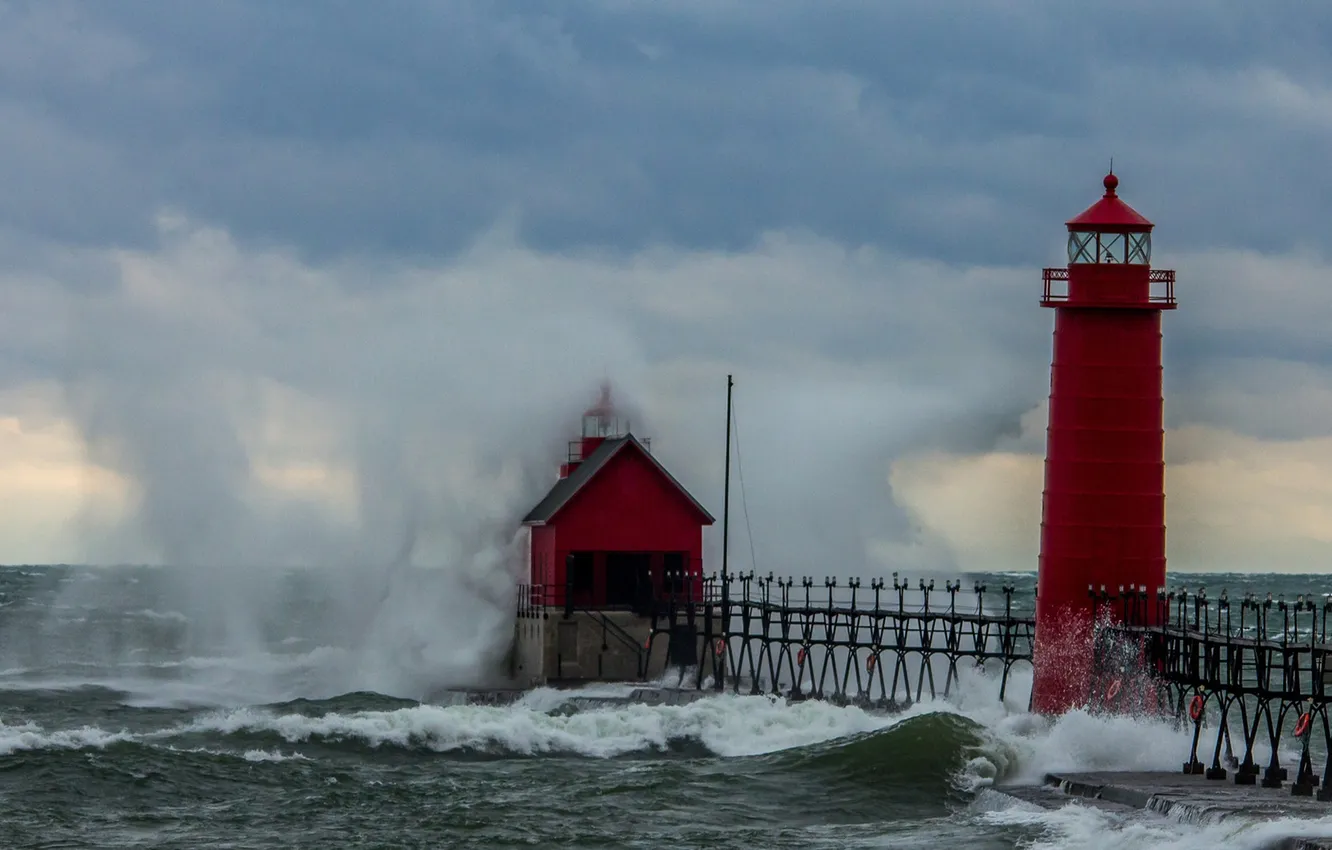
(720,664)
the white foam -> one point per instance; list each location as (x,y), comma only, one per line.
(30,736)
(1078,827)
(1079,741)
(726,725)
(150,614)
(1022,747)
(271,756)
(252,755)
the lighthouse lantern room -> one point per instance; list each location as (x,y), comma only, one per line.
(1103,509)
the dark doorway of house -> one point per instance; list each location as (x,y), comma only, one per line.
(673,576)
(628,580)
(582,578)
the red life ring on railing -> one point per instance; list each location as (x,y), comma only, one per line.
(719,647)
(870,662)
(1196,707)
(800,657)
(1112,691)
(1302,725)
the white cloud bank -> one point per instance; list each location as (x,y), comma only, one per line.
(1235,503)
(206,403)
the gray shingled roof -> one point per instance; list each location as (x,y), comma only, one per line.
(565,488)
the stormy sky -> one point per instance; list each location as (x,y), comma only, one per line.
(290,282)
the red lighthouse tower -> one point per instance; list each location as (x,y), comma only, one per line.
(1103,512)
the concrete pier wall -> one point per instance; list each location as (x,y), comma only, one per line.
(602,646)
(527,669)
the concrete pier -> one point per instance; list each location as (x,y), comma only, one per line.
(1188,798)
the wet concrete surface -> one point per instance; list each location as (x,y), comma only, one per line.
(1185,797)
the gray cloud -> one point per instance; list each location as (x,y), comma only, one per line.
(408,128)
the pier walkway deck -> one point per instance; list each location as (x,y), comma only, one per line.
(1185,797)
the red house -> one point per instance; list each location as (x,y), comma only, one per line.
(617,530)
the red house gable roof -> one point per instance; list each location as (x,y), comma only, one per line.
(567,488)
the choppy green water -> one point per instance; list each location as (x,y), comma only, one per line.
(120,729)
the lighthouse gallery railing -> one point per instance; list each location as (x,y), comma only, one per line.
(1163,295)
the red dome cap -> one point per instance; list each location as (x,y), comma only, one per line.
(1110,213)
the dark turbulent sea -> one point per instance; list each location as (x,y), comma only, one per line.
(122,726)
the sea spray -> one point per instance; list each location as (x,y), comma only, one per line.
(354,442)
(310,632)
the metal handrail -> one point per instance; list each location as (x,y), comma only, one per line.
(1165,276)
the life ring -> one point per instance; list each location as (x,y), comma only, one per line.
(800,657)
(1196,707)
(1302,725)
(1112,691)
(719,647)
(870,662)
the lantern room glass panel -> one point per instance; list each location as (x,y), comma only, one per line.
(1140,248)
(1082,247)
(1095,247)
(597,425)
(1113,249)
